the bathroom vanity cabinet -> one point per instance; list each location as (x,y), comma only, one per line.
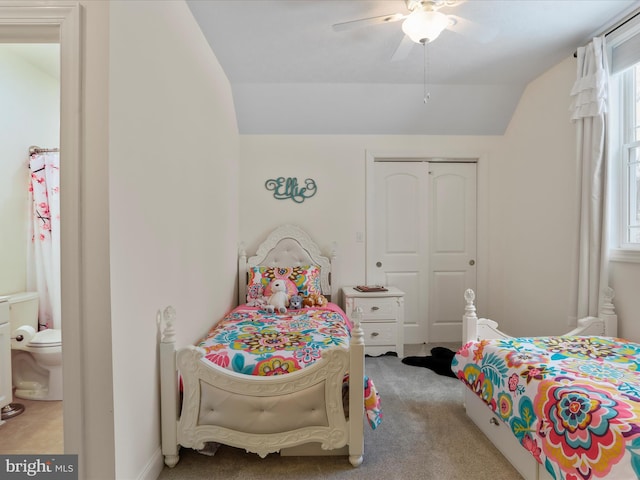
(5,354)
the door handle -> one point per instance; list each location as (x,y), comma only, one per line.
(378,264)
(472,262)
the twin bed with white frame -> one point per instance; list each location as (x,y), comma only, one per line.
(299,413)
(572,401)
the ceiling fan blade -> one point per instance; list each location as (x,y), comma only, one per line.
(473,30)
(364,22)
(403,50)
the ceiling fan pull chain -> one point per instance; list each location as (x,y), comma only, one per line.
(425,62)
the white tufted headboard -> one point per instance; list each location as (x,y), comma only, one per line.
(287,246)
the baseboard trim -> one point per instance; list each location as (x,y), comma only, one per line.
(153,467)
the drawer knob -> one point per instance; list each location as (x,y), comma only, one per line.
(374,334)
(494,421)
(375,308)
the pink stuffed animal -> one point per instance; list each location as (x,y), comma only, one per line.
(255,296)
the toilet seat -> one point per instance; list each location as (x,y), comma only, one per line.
(46,338)
(44,341)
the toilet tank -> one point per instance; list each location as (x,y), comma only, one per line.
(23,310)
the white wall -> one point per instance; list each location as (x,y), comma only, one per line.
(534,180)
(30,102)
(534,205)
(531,204)
(173,153)
(337,164)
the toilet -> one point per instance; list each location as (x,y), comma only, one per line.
(36,356)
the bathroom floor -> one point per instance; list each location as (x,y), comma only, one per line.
(37,430)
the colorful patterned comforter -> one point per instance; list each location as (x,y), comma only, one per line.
(250,341)
(573,402)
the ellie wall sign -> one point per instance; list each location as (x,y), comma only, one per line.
(288,188)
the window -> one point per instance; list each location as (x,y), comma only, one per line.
(624,116)
(630,211)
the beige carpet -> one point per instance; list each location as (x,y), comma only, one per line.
(425,434)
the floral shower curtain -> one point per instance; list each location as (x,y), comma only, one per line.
(43,258)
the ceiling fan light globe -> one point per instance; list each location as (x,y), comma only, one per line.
(424,26)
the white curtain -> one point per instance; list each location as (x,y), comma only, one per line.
(589,112)
(43,259)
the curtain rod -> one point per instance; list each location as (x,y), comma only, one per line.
(613,29)
(621,24)
(33,149)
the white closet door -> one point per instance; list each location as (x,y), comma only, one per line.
(423,241)
(398,248)
(452,241)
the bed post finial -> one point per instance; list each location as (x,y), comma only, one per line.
(470,296)
(165,321)
(469,320)
(242,273)
(357,334)
(608,313)
(607,304)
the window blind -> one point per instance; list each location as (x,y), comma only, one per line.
(625,45)
(626,54)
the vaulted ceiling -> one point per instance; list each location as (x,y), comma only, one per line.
(292,73)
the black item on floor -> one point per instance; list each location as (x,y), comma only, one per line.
(388,354)
(439,361)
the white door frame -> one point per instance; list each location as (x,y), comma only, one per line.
(37,22)
(482,160)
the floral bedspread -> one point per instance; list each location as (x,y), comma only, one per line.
(573,402)
(250,341)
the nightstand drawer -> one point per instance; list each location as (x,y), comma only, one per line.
(377,308)
(382,318)
(378,333)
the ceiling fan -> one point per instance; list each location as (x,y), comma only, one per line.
(423,24)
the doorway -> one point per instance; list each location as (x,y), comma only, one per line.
(32,22)
(30,93)
(423,237)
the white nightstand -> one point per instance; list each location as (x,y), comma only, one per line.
(382,318)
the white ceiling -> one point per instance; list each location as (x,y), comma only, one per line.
(291,73)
